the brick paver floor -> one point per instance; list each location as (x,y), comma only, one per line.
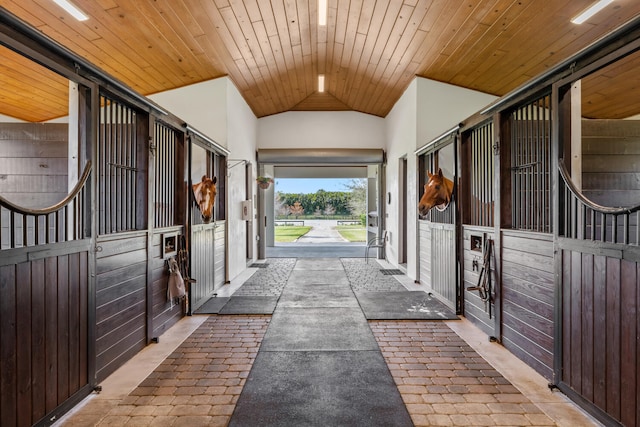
(444,382)
(199,383)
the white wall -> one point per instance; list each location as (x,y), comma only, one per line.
(425,111)
(202,105)
(401,141)
(441,106)
(321,129)
(9,119)
(241,138)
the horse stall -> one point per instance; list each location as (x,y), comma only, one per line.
(46,309)
(95,198)
(207,236)
(597,265)
(438,233)
(549,200)
(525,243)
(141,202)
(477,215)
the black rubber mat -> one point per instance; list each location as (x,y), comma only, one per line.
(259,265)
(320,388)
(249,305)
(212,306)
(408,305)
(239,305)
(391,272)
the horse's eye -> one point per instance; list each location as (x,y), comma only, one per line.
(437,187)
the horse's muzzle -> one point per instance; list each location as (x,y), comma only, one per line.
(206,219)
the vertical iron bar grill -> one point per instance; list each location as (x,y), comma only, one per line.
(482,170)
(580,221)
(117,167)
(530,151)
(165,175)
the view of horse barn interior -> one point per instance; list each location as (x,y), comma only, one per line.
(500,144)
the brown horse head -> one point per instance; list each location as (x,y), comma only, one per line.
(205,194)
(437,192)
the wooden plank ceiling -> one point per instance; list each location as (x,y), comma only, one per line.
(273,50)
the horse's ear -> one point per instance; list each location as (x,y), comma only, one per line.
(204,178)
(214,179)
(440,172)
(429,174)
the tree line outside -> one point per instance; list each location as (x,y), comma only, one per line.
(324,204)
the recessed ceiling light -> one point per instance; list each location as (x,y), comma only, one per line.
(321,83)
(72,9)
(590,11)
(322,12)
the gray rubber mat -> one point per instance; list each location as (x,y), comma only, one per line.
(350,388)
(311,329)
(316,296)
(407,305)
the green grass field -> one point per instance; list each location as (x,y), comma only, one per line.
(353,233)
(288,233)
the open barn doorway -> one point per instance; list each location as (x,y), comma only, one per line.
(319,206)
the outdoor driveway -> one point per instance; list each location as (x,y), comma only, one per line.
(322,231)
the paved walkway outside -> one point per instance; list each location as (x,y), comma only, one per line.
(322,231)
(442,380)
(323,240)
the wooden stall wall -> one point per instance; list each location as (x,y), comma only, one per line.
(33,163)
(599,275)
(122,244)
(207,261)
(44,338)
(478,208)
(220,243)
(46,284)
(480,312)
(600,329)
(425,251)
(444,263)
(168,216)
(610,159)
(526,242)
(165,314)
(121,268)
(528,298)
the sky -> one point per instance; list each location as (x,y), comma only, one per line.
(310,185)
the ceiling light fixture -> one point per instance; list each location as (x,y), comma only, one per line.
(321,83)
(322,12)
(590,11)
(72,9)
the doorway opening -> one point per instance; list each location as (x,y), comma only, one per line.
(319,206)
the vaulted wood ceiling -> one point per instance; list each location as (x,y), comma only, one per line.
(273,50)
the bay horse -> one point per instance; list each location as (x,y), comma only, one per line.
(437,192)
(205,194)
